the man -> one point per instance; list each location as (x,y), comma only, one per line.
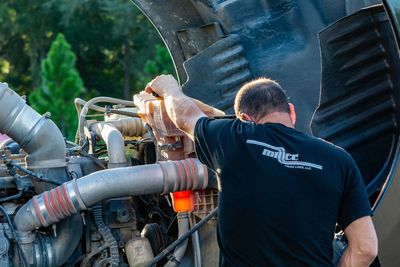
(282,191)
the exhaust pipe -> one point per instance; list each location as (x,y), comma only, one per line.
(76,195)
(36,134)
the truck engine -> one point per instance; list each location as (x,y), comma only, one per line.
(129,187)
(130,192)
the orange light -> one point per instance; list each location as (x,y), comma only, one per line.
(182,201)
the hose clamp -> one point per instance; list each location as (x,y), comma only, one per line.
(75,196)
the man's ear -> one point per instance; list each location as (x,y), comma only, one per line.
(245,117)
(292,113)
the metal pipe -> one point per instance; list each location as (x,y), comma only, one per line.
(183,227)
(51,251)
(76,195)
(80,102)
(86,107)
(195,243)
(60,248)
(115,144)
(186,235)
(36,134)
(196,249)
(113,132)
(70,232)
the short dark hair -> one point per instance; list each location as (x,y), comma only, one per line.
(261,97)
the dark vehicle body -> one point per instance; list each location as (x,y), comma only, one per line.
(338,61)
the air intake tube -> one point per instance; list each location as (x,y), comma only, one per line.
(36,134)
(54,251)
(76,195)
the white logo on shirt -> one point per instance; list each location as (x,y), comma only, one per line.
(280,154)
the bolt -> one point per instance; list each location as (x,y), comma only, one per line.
(123,215)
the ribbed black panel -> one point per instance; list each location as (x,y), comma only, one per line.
(359,98)
(230,69)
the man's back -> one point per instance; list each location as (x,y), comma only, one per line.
(282,192)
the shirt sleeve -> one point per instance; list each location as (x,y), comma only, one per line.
(355,202)
(212,138)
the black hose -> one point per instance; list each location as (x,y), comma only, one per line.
(16,196)
(15,235)
(168,250)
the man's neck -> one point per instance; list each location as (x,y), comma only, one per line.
(277,117)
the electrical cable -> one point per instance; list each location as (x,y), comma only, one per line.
(41,178)
(107,235)
(95,160)
(109,240)
(168,250)
(15,235)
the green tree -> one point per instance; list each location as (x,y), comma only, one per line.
(112,40)
(26,31)
(138,45)
(60,84)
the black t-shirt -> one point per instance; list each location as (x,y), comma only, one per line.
(281,192)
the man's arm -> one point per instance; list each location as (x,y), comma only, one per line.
(181,109)
(363,243)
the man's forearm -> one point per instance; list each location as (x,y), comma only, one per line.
(363,243)
(183,112)
(207,109)
(352,258)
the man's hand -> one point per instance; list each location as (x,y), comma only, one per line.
(182,110)
(164,85)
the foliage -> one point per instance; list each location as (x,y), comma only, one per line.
(158,65)
(112,41)
(60,85)
(117,49)
(24,41)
